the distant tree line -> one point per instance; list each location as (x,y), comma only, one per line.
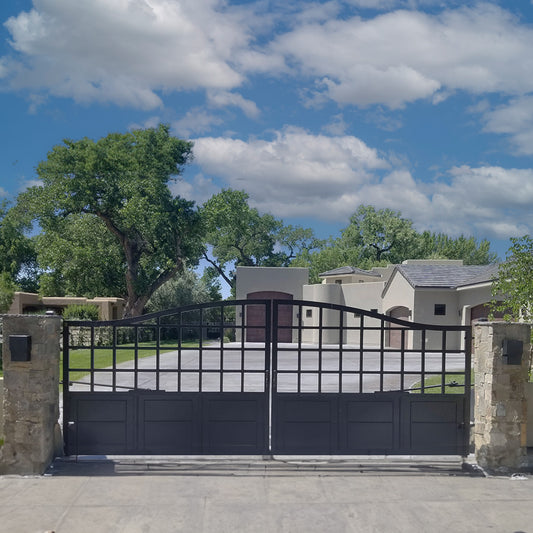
(102,221)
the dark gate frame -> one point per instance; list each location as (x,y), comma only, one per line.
(263,398)
(334,419)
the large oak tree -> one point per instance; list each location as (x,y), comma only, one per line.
(123,180)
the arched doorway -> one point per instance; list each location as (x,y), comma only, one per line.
(395,335)
(256,320)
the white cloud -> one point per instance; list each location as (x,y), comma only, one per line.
(226,98)
(196,121)
(401,56)
(123,51)
(297,174)
(514,119)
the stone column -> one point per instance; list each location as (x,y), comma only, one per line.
(31,395)
(500,411)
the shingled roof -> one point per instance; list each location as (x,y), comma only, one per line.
(447,276)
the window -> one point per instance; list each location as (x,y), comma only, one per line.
(338,281)
(440,309)
(308,313)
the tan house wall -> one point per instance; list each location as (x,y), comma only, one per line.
(425,300)
(109,308)
(255,279)
(263,279)
(469,297)
(399,294)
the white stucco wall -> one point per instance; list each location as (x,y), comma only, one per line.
(469,297)
(425,300)
(399,294)
(254,279)
(328,293)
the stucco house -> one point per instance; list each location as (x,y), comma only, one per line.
(444,292)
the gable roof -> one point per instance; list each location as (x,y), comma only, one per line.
(447,276)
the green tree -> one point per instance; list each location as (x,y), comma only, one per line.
(7,291)
(185,289)
(377,237)
(441,246)
(123,179)
(381,235)
(513,287)
(237,235)
(80,257)
(17,251)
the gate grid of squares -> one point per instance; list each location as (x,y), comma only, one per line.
(327,381)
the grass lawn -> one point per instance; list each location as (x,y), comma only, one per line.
(431,381)
(103,357)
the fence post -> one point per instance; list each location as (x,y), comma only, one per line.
(31,393)
(500,412)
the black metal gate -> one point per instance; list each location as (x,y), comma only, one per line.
(187,381)
(339,389)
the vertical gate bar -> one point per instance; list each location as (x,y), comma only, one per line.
(271,340)
(92,358)
(200,355)
(271,355)
(467,389)
(402,359)
(361,341)
(299,363)
(443,368)
(178,374)
(114,356)
(244,330)
(341,345)
(423,362)
(221,360)
(136,357)
(320,339)
(66,385)
(242,365)
(157,351)
(381,354)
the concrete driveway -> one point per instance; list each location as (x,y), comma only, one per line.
(252,359)
(173,495)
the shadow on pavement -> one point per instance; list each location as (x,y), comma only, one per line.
(271,467)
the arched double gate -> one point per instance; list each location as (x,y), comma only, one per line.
(188,381)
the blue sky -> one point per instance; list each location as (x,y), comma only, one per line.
(313,108)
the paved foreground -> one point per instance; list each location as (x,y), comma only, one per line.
(170,495)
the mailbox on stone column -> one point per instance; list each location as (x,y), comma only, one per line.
(20,348)
(512,351)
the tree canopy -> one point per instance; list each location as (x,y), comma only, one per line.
(377,237)
(123,180)
(513,288)
(79,256)
(237,235)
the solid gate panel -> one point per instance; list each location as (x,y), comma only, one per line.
(169,423)
(369,424)
(235,423)
(304,423)
(434,424)
(100,423)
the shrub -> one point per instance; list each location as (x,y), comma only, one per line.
(81,312)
